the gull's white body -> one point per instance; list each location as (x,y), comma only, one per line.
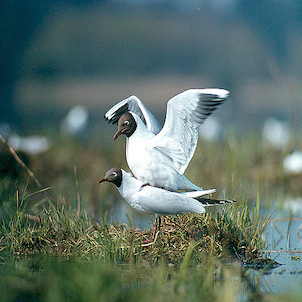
(151,200)
(160,158)
(152,166)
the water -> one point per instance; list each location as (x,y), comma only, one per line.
(284,245)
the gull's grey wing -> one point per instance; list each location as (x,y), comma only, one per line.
(133,104)
(185,113)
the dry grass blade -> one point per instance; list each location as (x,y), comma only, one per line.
(28,171)
(298,231)
(78,191)
(284,251)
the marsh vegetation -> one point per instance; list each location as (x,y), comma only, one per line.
(70,246)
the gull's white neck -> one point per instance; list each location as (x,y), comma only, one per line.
(141,131)
(129,186)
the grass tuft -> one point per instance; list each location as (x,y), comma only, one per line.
(51,250)
(232,233)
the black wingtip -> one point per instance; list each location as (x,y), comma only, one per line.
(113,120)
(109,121)
(116,115)
(209,201)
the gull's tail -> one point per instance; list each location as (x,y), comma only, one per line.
(198,194)
(212,202)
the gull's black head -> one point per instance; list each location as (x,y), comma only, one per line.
(126,125)
(113,175)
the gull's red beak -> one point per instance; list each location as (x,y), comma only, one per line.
(117,134)
(102,180)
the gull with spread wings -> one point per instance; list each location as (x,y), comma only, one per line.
(159,157)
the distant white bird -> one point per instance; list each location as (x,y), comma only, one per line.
(292,163)
(5,130)
(75,122)
(293,204)
(276,133)
(33,144)
(156,201)
(211,130)
(160,158)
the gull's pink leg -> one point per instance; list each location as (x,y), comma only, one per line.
(155,228)
(164,222)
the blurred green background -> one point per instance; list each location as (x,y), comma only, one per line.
(56,54)
(59,54)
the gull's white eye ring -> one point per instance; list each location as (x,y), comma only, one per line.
(126,123)
(114,174)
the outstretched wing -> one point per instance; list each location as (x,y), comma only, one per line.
(133,104)
(185,113)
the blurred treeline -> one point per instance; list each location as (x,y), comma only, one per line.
(55,54)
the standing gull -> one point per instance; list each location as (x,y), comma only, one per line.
(156,201)
(160,157)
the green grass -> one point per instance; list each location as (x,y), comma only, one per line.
(65,257)
(61,250)
(60,232)
(49,279)
(56,255)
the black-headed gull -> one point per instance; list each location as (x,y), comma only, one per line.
(133,104)
(160,157)
(156,201)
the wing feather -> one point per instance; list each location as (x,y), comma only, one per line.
(185,113)
(135,105)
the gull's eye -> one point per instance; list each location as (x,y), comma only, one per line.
(126,123)
(114,174)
